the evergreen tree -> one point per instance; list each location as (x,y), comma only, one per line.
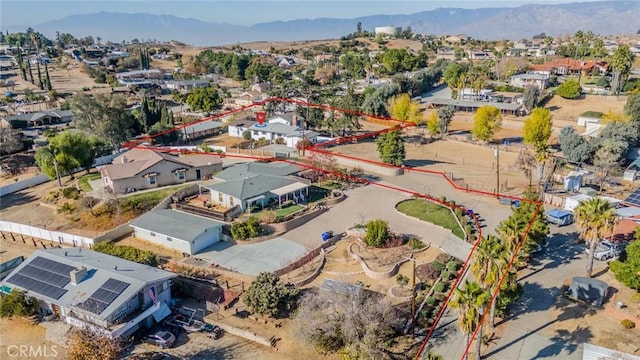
(23,72)
(40,84)
(47,78)
(391,148)
(30,73)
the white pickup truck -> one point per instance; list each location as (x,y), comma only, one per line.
(607,250)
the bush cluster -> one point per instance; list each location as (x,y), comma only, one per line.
(128,253)
(245,230)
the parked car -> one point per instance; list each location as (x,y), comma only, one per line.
(560,217)
(161,338)
(607,250)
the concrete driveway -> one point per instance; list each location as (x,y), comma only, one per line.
(373,202)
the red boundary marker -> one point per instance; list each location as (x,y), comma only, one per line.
(319,148)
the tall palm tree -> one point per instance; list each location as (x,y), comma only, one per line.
(594,218)
(511,230)
(470,302)
(490,261)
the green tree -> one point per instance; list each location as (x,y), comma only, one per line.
(47,79)
(594,218)
(569,89)
(621,64)
(537,130)
(355,64)
(627,269)
(377,232)
(445,114)
(104,116)
(390,145)
(490,261)
(163,134)
(486,122)
(453,75)
(40,82)
(402,108)
(206,99)
(632,110)
(574,146)
(70,149)
(530,97)
(470,301)
(17,303)
(375,100)
(433,123)
(267,295)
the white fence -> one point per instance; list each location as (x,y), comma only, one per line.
(23,184)
(48,235)
(197,148)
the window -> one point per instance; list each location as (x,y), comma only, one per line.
(152,180)
(152,234)
(180,175)
(220,197)
(169,239)
(231,200)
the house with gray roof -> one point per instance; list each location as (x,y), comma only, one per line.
(177,230)
(186,85)
(201,129)
(287,127)
(147,168)
(245,185)
(40,118)
(86,288)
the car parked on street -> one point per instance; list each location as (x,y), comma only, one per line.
(607,250)
(160,338)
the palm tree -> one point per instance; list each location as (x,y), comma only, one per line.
(470,302)
(594,218)
(490,261)
(511,230)
(621,62)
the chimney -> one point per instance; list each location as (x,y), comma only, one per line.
(124,159)
(77,275)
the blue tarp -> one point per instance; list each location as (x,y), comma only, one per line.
(556,213)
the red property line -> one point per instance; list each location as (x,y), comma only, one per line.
(400,124)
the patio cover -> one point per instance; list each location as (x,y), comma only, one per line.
(287,189)
(255,198)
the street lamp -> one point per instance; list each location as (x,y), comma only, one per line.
(496,153)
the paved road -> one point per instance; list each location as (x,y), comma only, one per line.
(372,202)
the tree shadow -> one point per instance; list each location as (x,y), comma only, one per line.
(565,341)
(231,351)
(15,199)
(560,250)
(422,162)
(535,298)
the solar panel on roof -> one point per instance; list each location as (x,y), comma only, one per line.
(36,286)
(43,276)
(104,296)
(634,198)
(115,285)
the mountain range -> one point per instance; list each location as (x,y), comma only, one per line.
(606,17)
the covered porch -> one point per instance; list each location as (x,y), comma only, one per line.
(298,192)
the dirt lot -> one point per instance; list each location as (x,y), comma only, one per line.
(569,110)
(18,334)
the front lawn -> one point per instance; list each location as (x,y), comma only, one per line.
(286,211)
(83,182)
(431,212)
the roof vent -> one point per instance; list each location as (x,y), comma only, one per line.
(76,275)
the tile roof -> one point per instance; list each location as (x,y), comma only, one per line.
(176,224)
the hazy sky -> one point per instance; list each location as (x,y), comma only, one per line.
(239,12)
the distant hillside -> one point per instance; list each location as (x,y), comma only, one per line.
(607,17)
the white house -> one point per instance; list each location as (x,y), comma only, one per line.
(286,127)
(239,126)
(573,202)
(177,230)
(523,80)
(186,85)
(93,290)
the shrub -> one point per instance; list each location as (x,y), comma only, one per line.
(70,193)
(67,208)
(445,275)
(570,89)
(268,216)
(281,141)
(439,287)
(238,231)
(128,253)
(377,232)
(415,243)
(627,324)
(430,301)
(427,273)
(88,202)
(452,266)
(244,230)
(437,265)
(402,280)
(635,298)
(17,303)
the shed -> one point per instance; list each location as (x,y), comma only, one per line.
(177,230)
(572,202)
(587,289)
(573,181)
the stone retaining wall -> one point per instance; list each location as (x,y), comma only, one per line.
(246,334)
(376,275)
(315,274)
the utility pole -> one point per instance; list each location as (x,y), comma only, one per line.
(496,152)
